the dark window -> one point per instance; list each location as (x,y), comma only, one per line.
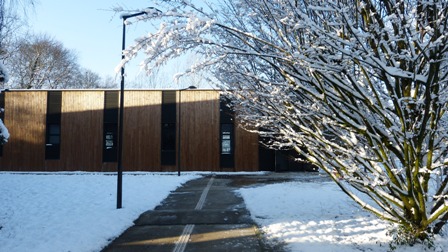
(110,142)
(226,139)
(168,140)
(169,107)
(54,134)
(111,106)
(169,136)
(266,156)
(110,126)
(226,113)
(53,130)
(227,158)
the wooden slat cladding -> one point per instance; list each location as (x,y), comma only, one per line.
(199,130)
(82,120)
(25,119)
(246,149)
(141,134)
(81,131)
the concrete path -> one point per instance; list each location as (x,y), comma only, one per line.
(203,215)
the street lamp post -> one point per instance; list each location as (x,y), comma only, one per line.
(120,128)
(179,126)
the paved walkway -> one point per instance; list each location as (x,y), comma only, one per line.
(203,215)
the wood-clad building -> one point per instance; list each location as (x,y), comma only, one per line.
(76,130)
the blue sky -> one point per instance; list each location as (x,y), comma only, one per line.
(91,29)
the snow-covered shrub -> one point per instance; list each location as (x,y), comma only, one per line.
(3,74)
(4,134)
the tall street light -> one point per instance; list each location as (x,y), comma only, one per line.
(147,11)
(179,117)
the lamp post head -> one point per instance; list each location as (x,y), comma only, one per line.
(188,88)
(147,11)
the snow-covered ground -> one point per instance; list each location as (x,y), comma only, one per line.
(319,217)
(76,212)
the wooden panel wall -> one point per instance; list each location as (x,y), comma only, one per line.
(142,127)
(199,130)
(81,132)
(25,120)
(246,150)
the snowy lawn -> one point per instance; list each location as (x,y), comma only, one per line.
(74,211)
(319,217)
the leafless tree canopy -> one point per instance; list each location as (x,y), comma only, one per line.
(42,62)
(39,61)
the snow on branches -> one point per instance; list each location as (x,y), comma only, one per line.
(357,87)
(3,74)
(4,133)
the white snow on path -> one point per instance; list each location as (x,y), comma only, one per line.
(74,211)
(319,217)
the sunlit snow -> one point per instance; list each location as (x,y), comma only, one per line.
(76,212)
(319,217)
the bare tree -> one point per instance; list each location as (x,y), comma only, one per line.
(42,62)
(8,24)
(357,87)
(177,74)
(188,75)
(155,80)
(109,82)
(86,79)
